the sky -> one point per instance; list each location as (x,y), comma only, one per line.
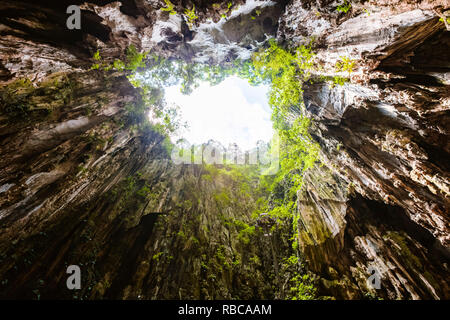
(230,112)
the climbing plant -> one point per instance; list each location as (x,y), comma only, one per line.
(286,71)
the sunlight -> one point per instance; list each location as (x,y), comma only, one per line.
(230,112)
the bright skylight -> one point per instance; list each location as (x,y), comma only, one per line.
(230,112)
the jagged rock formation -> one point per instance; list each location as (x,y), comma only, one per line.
(79,186)
(386,134)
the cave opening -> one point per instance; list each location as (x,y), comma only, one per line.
(231,113)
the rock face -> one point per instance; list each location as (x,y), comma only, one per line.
(386,135)
(79,185)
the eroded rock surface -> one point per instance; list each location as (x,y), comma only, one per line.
(79,186)
(385,134)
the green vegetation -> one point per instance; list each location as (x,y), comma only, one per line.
(15,106)
(162,72)
(97,56)
(223,261)
(222,199)
(21,98)
(133,61)
(157,256)
(181,234)
(151,97)
(170,7)
(446,19)
(345,65)
(302,288)
(337,80)
(345,7)
(302,285)
(190,16)
(227,11)
(286,71)
(257,13)
(244,230)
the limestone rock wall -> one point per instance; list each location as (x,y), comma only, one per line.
(79,186)
(384,136)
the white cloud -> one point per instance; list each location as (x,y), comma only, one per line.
(231,112)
